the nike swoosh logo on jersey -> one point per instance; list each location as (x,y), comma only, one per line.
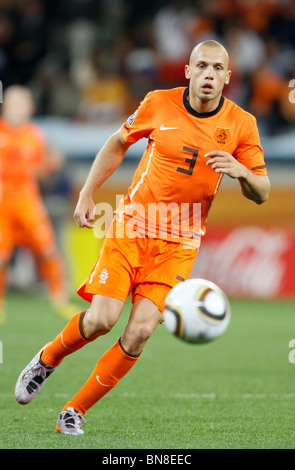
(163,128)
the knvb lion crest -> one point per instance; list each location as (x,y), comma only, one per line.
(103,276)
(222,136)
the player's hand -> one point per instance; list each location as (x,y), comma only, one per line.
(84,212)
(224,162)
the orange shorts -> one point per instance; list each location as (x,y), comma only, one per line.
(142,267)
(25,222)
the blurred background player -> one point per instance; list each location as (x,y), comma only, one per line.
(24,220)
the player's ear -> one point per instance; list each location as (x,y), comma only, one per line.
(228,75)
(187,72)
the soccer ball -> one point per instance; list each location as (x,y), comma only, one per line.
(197,311)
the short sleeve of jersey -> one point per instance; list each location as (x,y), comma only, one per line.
(139,124)
(249,151)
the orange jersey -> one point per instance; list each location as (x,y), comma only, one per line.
(173,168)
(22,149)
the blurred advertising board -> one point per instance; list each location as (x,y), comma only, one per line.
(249,261)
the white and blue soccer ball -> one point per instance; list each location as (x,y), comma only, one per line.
(197,311)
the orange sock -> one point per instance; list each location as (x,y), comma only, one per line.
(68,341)
(111,367)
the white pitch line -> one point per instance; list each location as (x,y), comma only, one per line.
(244,395)
(184,396)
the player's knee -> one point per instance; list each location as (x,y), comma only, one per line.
(146,331)
(135,336)
(98,322)
(47,254)
(102,315)
(106,324)
(140,333)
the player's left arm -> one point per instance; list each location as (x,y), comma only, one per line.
(253,186)
(51,161)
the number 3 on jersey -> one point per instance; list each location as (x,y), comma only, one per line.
(191,161)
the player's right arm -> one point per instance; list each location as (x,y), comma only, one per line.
(137,126)
(106,162)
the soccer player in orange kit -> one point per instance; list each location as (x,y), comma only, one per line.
(24,221)
(195,136)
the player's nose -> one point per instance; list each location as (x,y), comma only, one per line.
(209,73)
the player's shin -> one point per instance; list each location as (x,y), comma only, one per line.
(52,271)
(68,341)
(110,368)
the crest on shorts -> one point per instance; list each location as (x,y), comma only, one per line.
(222,136)
(103,276)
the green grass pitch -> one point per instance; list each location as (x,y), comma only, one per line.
(235,393)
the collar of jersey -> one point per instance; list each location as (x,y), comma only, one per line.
(194,112)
